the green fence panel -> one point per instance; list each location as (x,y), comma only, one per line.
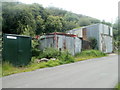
(16,49)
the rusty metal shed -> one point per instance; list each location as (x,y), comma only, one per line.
(61,41)
(102,33)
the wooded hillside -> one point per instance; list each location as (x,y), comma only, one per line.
(32,19)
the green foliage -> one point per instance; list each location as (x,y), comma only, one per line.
(65,57)
(71,17)
(116,46)
(35,50)
(117,87)
(91,53)
(8,68)
(53,24)
(56,11)
(49,53)
(116,35)
(93,43)
(52,63)
(40,27)
(33,19)
(84,22)
(107,23)
(22,19)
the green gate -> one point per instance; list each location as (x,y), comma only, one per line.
(16,49)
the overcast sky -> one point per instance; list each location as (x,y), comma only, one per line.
(101,9)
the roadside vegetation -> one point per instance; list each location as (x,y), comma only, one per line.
(62,57)
(0,70)
(88,54)
(117,87)
(34,19)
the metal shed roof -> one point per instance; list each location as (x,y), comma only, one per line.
(60,33)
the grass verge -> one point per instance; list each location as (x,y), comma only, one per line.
(89,54)
(117,87)
(62,58)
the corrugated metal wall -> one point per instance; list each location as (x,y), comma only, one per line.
(102,33)
(106,44)
(106,36)
(93,31)
(78,45)
(72,44)
(47,41)
(77,31)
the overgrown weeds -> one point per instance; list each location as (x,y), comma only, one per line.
(62,57)
(117,87)
(49,53)
(88,54)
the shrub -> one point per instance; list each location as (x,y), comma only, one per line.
(62,56)
(49,53)
(66,57)
(35,50)
(93,43)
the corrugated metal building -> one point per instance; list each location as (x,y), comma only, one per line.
(61,41)
(102,33)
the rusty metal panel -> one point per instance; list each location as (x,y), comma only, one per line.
(61,39)
(66,43)
(85,45)
(63,42)
(70,42)
(103,35)
(106,43)
(78,45)
(95,31)
(84,32)
(44,41)
(106,35)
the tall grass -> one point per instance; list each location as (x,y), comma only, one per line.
(0,70)
(87,54)
(8,68)
(62,58)
(117,87)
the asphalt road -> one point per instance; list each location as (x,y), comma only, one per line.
(92,73)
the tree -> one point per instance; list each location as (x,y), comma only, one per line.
(16,20)
(53,23)
(107,23)
(40,27)
(33,19)
(71,17)
(56,11)
(84,22)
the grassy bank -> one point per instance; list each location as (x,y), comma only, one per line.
(0,70)
(88,54)
(61,58)
(117,87)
